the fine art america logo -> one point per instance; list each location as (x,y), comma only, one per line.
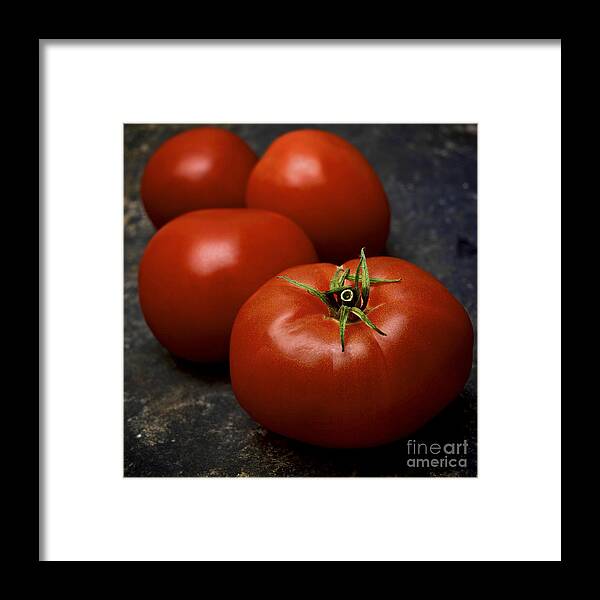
(425,455)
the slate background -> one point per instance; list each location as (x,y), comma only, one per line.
(181,419)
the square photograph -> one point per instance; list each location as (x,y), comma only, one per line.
(300,300)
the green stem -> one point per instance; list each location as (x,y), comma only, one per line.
(341,308)
(373,280)
(311,290)
(363,317)
(344,312)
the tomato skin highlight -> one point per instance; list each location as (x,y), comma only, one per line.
(206,167)
(289,373)
(326,185)
(199,269)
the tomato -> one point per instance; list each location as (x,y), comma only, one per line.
(327,186)
(199,269)
(207,167)
(299,373)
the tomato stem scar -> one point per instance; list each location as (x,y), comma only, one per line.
(343,301)
(347,295)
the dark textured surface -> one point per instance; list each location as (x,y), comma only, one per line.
(182,419)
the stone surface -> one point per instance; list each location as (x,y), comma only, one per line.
(182,419)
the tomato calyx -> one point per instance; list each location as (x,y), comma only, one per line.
(346,302)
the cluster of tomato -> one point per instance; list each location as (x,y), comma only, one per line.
(344,354)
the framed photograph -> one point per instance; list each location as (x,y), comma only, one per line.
(300,300)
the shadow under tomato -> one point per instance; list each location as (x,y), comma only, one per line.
(206,373)
(390,460)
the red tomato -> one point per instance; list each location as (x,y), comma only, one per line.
(290,374)
(327,186)
(200,168)
(199,269)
